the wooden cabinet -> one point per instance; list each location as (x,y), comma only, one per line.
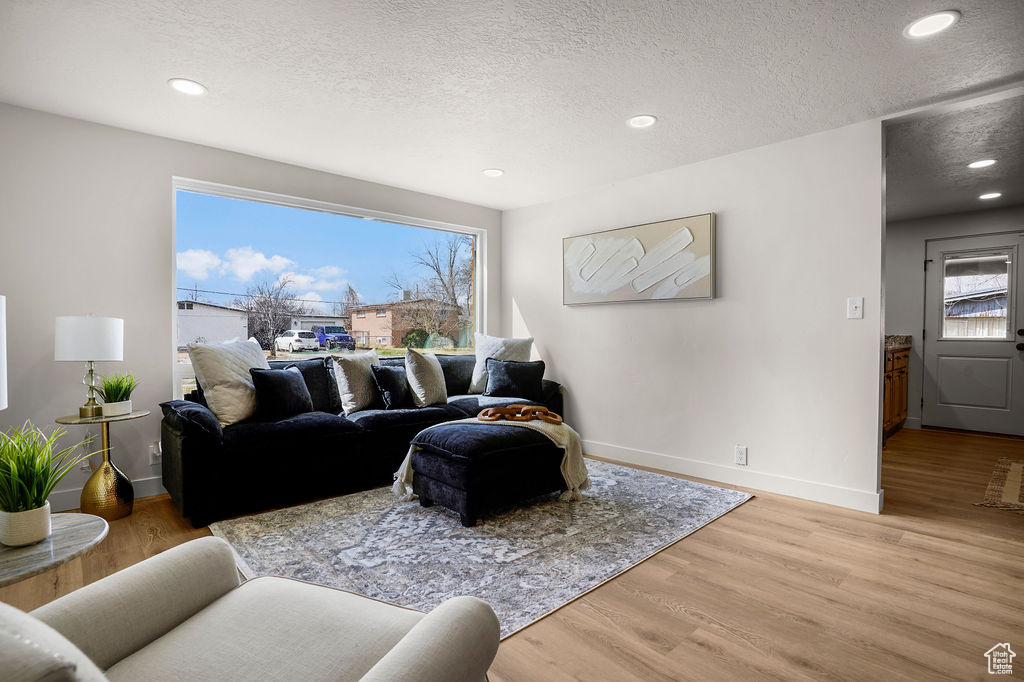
(894,411)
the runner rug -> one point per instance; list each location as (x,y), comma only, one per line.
(1006,489)
(525,562)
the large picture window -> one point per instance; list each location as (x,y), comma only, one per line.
(307,281)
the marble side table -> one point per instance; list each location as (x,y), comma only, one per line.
(71,534)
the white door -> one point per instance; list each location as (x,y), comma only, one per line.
(974,334)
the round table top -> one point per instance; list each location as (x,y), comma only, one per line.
(71,534)
(75,419)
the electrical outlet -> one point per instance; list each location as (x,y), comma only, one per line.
(155,452)
(741,455)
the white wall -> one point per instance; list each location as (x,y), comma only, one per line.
(904,278)
(772,363)
(75,196)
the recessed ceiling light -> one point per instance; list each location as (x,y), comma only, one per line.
(931,24)
(991,195)
(493,172)
(187,87)
(984,163)
(642,121)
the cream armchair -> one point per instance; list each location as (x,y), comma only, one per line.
(182,615)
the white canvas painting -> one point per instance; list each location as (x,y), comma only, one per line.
(671,259)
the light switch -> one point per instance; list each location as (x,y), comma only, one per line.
(855,308)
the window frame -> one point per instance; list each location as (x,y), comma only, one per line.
(183,184)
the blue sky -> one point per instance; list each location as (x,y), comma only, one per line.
(229,244)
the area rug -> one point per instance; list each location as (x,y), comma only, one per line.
(1006,489)
(525,562)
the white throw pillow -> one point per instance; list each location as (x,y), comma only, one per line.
(499,349)
(222,369)
(355,380)
(426,378)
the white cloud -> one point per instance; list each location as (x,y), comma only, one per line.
(300,281)
(197,263)
(328,271)
(314,302)
(244,262)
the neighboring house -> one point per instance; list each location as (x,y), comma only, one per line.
(310,321)
(385,324)
(209,323)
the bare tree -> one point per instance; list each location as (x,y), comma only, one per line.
(441,301)
(351,300)
(271,307)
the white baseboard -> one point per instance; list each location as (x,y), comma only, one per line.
(861,500)
(62,500)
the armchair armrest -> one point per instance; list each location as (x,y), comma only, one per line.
(456,641)
(118,615)
(192,418)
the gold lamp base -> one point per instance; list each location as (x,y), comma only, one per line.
(87,410)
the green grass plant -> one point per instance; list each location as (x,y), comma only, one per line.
(117,388)
(31,466)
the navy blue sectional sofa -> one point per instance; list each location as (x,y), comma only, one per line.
(214,473)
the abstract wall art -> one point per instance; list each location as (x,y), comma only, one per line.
(670,259)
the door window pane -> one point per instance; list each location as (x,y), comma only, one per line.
(976,295)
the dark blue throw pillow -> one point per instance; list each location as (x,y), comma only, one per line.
(323,388)
(280,394)
(392,385)
(511,379)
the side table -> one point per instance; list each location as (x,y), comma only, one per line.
(108,493)
(70,535)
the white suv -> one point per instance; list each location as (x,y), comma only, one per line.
(295,340)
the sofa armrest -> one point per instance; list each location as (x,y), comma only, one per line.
(120,614)
(192,418)
(552,395)
(456,641)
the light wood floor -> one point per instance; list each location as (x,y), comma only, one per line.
(779,588)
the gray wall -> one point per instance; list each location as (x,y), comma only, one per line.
(904,278)
(772,363)
(77,196)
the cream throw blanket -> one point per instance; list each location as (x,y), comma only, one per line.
(574,469)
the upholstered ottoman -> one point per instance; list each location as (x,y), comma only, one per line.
(474,469)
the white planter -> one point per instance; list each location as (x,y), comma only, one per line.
(25,527)
(117,409)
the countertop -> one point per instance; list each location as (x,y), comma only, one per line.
(898,341)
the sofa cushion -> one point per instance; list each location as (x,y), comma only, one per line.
(222,369)
(392,387)
(426,378)
(470,405)
(511,379)
(280,393)
(274,628)
(499,349)
(413,417)
(32,650)
(319,376)
(303,430)
(355,380)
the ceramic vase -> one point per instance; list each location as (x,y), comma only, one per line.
(18,529)
(117,409)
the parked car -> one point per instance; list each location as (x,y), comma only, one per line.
(332,337)
(295,340)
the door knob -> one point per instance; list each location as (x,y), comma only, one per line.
(1020,346)
(1020,332)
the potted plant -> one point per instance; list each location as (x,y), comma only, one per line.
(116,393)
(30,467)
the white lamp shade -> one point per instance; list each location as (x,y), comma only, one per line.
(85,338)
(3,352)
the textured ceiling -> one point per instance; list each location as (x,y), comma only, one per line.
(424,94)
(926,160)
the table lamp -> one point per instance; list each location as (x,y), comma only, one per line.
(3,352)
(90,340)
